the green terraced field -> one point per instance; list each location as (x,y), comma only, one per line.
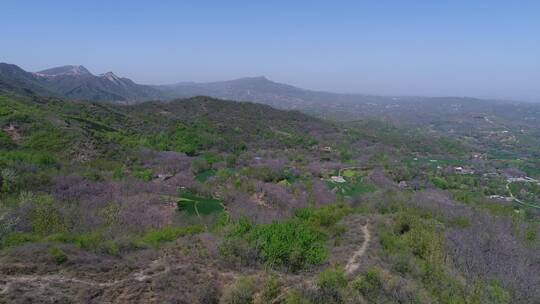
(354,185)
(196,205)
(205,175)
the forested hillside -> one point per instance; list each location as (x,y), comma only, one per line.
(210,201)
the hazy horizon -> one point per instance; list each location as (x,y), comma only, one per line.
(426,49)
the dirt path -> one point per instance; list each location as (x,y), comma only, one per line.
(155,268)
(42,281)
(354,262)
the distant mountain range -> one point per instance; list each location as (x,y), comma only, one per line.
(75,82)
(262,90)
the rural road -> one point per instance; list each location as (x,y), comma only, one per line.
(517,199)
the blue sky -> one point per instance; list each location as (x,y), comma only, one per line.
(459,48)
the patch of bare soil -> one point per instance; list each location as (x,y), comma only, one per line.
(258,198)
(12,132)
(185,272)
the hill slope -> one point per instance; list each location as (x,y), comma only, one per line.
(206,199)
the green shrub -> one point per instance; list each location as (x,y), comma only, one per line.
(40,158)
(531,234)
(295,297)
(293,244)
(5,141)
(18,238)
(86,241)
(231,160)
(155,237)
(241,292)
(205,175)
(271,289)
(47,138)
(45,217)
(496,294)
(461,222)
(58,255)
(325,216)
(439,182)
(190,139)
(93,175)
(212,157)
(239,228)
(200,164)
(237,250)
(118,173)
(143,174)
(92,241)
(369,284)
(8,179)
(332,280)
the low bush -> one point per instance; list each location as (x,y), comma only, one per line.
(18,238)
(242,292)
(270,290)
(39,158)
(118,173)
(7,180)
(143,174)
(92,241)
(5,141)
(200,164)
(46,217)
(325,216)
(293,244)
(156,237)
(237,250)
(332,279)
(58,255)
(295,297)
(47,138)
(496,294)
(369,284)
(93,175)
(331,284)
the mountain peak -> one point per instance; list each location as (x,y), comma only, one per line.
(7,67)
(252,80)
(109,74)
(65,70)
(111,77)
(256,78)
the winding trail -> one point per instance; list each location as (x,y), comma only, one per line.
(353,264)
